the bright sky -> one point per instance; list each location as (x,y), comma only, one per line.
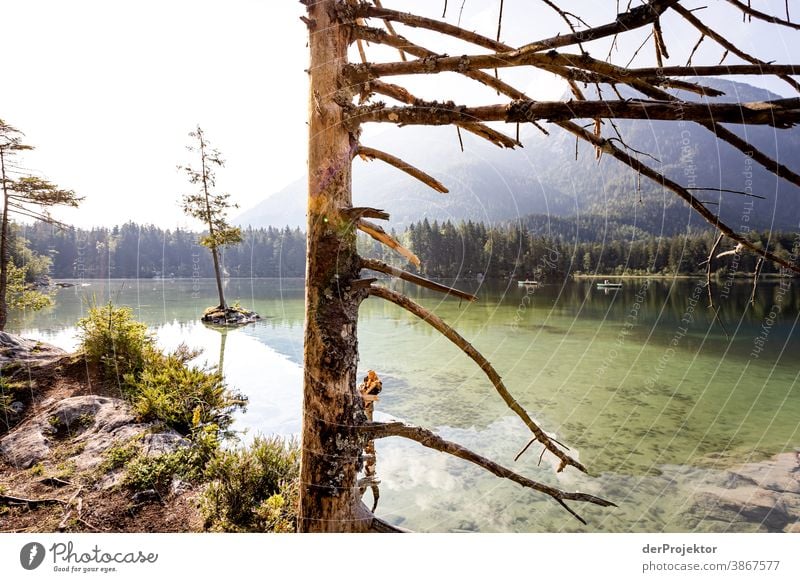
(107,91)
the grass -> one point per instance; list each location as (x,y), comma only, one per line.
(9,393)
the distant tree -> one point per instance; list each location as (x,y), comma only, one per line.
(209,207)
(27,196)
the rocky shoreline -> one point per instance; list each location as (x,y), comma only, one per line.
(57,446)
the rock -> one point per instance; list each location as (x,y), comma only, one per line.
(146,496)
(230,316)
(94,423)
(25,447)
(179,486)
(765,494)
(157,444)
(749,504)
(780,473)
(17,350)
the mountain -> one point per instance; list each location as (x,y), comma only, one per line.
(544,178)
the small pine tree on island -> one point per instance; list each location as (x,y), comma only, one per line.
(211,208)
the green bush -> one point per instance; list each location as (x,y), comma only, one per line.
(20,295)
(120,455)
(254,488)
(186,463)
(182,396)
(112,338)
(161,386)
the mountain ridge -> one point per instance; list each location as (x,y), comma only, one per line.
(492,185)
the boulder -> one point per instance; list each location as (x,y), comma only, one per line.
(96,423)
(31,353)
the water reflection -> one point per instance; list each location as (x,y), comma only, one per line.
(654,402)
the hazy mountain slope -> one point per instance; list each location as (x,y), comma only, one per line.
(490,184)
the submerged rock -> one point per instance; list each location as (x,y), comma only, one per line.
(765,494)
(230,316)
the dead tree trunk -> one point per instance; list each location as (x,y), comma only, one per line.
(335,427)
(332,406)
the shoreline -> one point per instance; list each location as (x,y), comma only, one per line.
(741,276)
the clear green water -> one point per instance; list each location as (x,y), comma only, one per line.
(654,407)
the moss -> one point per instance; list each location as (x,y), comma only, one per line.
(65,469)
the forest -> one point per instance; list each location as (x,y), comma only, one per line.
(447,250)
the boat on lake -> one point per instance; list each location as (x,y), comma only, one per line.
(609,285)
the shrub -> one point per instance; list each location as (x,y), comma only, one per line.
(20,295)
(119,455)
(186,463)
(254,488)
(182,396)
(112,338)
(161,386)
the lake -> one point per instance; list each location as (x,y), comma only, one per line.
(651,393)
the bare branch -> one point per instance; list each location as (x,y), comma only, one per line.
(390,29)
(748,194)
(623,75)
(725,43)
(756,274)
(433,441)
(749,10)
(781,113)
(484,364)
(698,206)
(358,212)
(483,131)
(382,236)
(780,170)
(373,154)
(694,49)
(635,18)
(653,73)
(416,21)
(709,286)
(381,267)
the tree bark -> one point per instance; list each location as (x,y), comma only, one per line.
(332,407)
(4,249)
(214,251)
(217,273)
